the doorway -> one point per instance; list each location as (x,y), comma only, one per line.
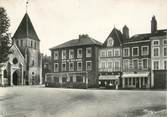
(16,78)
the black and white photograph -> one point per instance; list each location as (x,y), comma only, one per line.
(83,58)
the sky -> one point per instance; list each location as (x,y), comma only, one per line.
(58,21)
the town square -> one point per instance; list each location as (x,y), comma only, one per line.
(58,102)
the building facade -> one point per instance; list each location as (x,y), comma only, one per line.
(136,62)
(75,63)
(12,71)
(110,61)
(28,43)
(159,59)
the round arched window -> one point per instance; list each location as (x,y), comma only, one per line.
(15,61)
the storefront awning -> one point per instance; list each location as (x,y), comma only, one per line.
(135,75)
(109,77)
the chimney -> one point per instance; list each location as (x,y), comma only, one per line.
(83,36)
(153,25)
(125,31)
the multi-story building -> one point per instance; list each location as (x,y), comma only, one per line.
(136,61)
(110,60)
(75,63)
(159,57)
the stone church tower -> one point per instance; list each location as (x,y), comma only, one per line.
(28,42)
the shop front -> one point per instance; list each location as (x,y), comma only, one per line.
(136,80)
(109,81)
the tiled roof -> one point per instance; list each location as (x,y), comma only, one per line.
(83,40)
(26,29)
(116,35)
(146,36)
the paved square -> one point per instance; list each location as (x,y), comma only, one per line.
(57,102)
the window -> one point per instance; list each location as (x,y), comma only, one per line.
(79,66)
(63,66)
(64,54)
(110,64)
(56,67)
(135,51)
(135,63)
(144,50)
(126,64)
(165,51)
(155,42)
(116,52)
(145,63)
(71,54)
(33,63)
(79,78)
(56,79)
(110,53)
(165,64)
(71,66)
(126,52)
(79,53)
(64,79)
(88,65)
(17,42)
(165,41)
(31,44)
(88,52)
(126,81)
(71,78)
(103,64)
(35,45)
(156,65)
(130,81)
(117,65)
(21,43)
(56,55)
(156,52)
(145,81)
(133,81)
(103,54)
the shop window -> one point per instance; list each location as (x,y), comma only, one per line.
(79,79)
(71,78)
(145,81)
(56,79)
(64,79)
(130,81)
(133,81)
(126,81)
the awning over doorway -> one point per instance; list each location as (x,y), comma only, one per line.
(135,75)
(109,77)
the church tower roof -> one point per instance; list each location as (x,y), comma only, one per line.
(26,29)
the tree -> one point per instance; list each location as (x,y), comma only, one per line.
(5,40)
